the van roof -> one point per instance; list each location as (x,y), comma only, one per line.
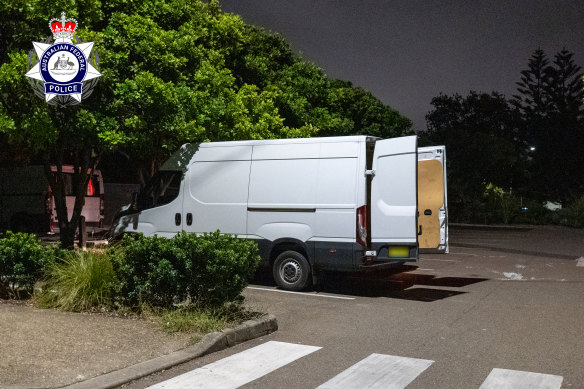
(183,156)
(330,139)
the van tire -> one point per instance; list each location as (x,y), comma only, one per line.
(292,271)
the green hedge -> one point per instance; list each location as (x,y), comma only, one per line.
(22,259)
(208,270)
(573,215)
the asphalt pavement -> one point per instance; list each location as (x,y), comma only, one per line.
(506,312)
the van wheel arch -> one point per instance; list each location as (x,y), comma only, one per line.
(278,247)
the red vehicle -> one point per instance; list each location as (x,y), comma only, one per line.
(27,204)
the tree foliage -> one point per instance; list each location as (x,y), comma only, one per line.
(173,71)
(550,99)
(480,134)
(530,145)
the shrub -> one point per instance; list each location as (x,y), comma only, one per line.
(22,259)
(574,213)
(501,206)
(78,281)
(208,270)
(533,212)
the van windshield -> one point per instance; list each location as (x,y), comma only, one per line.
(161,189)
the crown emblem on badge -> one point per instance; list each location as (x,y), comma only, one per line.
(63,28)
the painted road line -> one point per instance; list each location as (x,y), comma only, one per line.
(241,368)
(580,262)
(514,379)
(304,294)
(379,371)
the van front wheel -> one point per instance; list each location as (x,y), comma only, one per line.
(292,271)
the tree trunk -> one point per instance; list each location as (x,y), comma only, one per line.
(67,236)
(84,164)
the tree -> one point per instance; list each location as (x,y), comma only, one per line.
(480,134)
(173,72)
(74,136)
(367,115)
(550,101)
(565,85)
(532,99)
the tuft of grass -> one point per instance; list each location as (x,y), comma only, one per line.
(199,320)
(79,281)
(191,321)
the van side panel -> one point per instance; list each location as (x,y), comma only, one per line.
(335,196)
(216,197)
(282,198)
(217,190)
(307,193)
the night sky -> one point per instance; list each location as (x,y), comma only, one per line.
(406,52)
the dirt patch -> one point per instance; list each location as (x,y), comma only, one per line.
(42,348)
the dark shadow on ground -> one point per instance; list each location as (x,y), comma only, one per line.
(424,294)
(397,283)
(451,282)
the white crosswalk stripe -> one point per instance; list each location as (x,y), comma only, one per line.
(373,372)
(379,371)
(514,379)
(241,368)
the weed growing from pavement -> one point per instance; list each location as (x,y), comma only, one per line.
(199,320)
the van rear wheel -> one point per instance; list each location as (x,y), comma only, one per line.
(292,271)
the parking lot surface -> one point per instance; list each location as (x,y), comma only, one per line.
(504,309)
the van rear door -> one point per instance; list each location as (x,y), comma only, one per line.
(432,199)
(394,191)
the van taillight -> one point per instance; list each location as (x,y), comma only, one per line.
(90,188)
(362,225)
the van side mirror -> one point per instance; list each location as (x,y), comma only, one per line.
(134,203)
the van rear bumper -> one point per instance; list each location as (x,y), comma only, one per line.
(383,255)
(378,265)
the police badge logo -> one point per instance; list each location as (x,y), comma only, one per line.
(63,73)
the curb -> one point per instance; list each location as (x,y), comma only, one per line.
(514,251)
(210,343)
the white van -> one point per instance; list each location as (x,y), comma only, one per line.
(338,203)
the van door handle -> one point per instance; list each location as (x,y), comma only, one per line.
(189,219)
(420,230)
(177,219)
(428,212)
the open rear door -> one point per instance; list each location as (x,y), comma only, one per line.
(394,232)
(432,199)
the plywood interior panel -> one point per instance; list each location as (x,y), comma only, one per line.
(430,196)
